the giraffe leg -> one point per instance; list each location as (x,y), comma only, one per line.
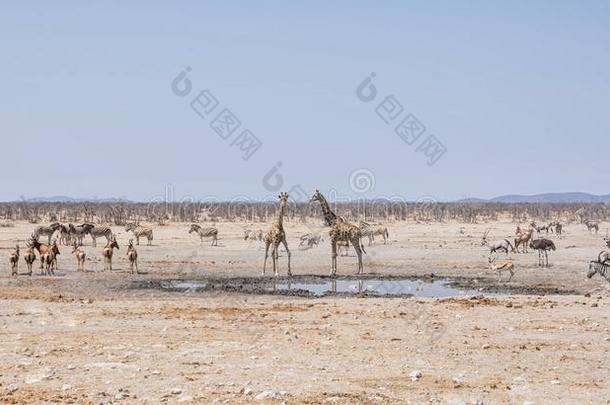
(288,253)
(266,255)
(333,262)
(274,256)
(356,243)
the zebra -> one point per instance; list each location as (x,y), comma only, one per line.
(540,228)
(371,232)
(78,232)
(205,233)
(253,235)
(64,235)
(591,225)
(98,231)
(600,268)
(139,231)
(47,230)
(310,240)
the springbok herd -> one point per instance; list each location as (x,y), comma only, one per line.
(341,234)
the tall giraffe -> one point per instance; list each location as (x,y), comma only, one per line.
(339,231)
(276,235)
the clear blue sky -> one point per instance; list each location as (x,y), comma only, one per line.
(518,92)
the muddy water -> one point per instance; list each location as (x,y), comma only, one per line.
(319,286)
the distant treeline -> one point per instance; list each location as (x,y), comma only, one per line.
(373,211)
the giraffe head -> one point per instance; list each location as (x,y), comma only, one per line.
(317,196)
(283,197)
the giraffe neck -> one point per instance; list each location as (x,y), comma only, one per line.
(329,216)
(280,213)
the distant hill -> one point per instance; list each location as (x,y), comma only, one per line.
(573,197)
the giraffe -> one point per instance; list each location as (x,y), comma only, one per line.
(276,235)
(339,231)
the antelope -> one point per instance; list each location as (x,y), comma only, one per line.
(542,246)
(80,257)
(205,233)
(29,258)
(14,260)
(45,250)
(523,238)
(132,255)
(49,259)
(503,265)
(107,253)
(138,231)
(500,244)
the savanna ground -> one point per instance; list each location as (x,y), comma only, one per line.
(93,338)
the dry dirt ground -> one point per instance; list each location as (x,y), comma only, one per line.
(93,338)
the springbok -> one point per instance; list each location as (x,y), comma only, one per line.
(14,260)
(107,253)
(80,257)
(501,266)
(132,255)
(500,244)
(542,246)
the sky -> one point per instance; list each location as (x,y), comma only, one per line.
(515,95)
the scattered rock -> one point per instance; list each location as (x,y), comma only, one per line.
(555,382)
(66,387)
(176,391)
(415,375)
(269,394)
(485,346)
